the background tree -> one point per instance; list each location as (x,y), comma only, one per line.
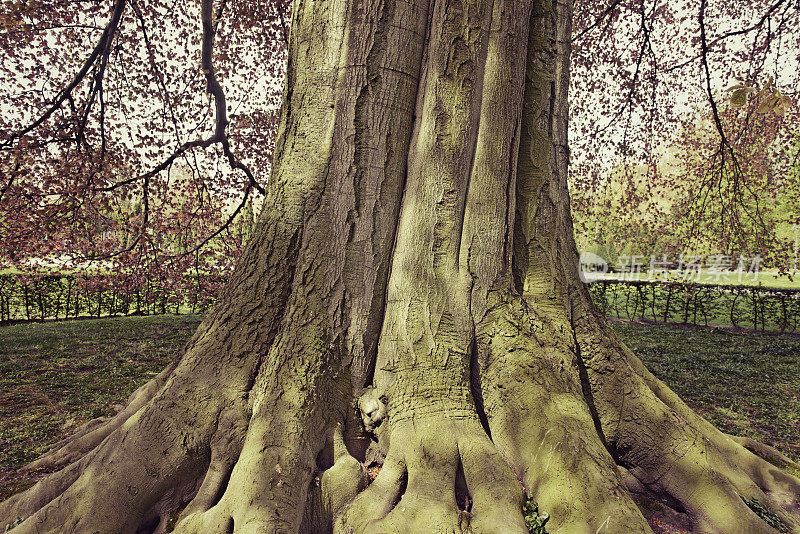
(644,73)
(687,204)
(416,241)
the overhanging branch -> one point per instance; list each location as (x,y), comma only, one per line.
(98,53)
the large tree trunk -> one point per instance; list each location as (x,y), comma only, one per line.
(415,252)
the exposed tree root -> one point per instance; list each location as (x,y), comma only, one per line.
(541,423)
(770,454)
(565,465)
(226,446)
(672,451)
(344,479)
(416,488)
(93,432)
(148,467)
(563,448)
(267,469)
(28,502)
(579,446)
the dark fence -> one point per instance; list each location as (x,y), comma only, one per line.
(759,308)
(41,297)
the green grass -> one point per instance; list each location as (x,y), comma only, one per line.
(770,278)
(745,383)
(55,376)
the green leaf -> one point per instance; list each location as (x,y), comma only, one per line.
(534,519)
(739,97)
(767,104)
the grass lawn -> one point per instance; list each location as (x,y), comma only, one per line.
(55,376)
(745,383)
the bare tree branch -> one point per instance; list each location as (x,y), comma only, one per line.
(727,35)
(606,12)
(11,176)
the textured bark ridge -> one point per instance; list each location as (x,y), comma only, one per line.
(411,298)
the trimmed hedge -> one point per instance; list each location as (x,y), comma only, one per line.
(41,297)
(759,308)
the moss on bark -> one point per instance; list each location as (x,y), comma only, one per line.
(416,240)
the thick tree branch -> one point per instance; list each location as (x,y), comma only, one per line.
(215,89)
(220,137)
(707,75)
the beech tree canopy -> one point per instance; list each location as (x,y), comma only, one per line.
(113,118)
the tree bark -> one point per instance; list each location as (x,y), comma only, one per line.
(410,295)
